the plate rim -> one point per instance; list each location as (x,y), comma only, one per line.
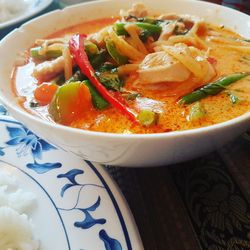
(122,210)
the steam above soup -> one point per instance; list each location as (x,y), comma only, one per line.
(138,73)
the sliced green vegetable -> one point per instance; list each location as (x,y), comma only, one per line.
(35,53)
(212,88)
(152,28)
(90,48)
(118,58)
(70,101)
(98,101)
(196,112)
(110,80)
(247,40)
(148,117)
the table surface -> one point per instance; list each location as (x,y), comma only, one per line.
(200,204)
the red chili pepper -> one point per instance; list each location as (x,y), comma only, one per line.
(76,46)
(212,60)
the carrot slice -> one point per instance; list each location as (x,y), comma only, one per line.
(44,93)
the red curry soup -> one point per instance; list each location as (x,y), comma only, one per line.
(137,73)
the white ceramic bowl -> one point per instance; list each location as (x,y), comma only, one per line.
(120,149)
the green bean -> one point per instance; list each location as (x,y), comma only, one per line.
(152,28)
(212,88)
(34,53)
(118,58)
(90,48)
(98,101)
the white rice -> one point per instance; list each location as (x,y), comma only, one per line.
(16,229)
(19,200)
(11,8)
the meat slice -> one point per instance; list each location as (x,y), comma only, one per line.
(137,10)
(44,71)
(161,67)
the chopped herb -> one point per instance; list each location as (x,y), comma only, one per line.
(130,96)
(34,104)
(107,66)
(179,31)
(110,80)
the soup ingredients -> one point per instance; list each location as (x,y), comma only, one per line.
(193,59)
(196,112)
(36,53)
(134,69)
(110,79)
(212,88)
(234,98)
(82,61)
(71,101)
(98,101)
(46,70)
(138,10)
(16,229)
(148,117)
(112,50)
(44,93)
(151,29)
(161,67)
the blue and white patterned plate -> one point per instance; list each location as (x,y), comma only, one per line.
(78,205)
(32,7)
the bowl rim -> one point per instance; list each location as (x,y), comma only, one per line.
(162,135)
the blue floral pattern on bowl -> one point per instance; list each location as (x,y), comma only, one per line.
(86,208)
